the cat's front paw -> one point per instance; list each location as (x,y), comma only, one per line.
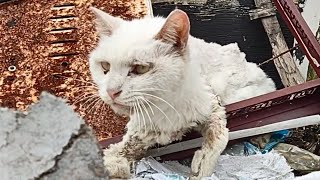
(118,166)
(203,164)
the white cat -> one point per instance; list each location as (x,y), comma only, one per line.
(168,82)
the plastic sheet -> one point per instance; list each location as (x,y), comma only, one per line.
(270,166)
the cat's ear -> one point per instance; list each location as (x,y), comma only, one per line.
(105,23)
(176,29)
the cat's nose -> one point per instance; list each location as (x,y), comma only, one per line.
(114,93)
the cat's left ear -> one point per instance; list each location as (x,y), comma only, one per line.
(105,23)
(176,29)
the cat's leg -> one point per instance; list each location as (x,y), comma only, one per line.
(119,157)
(215,134)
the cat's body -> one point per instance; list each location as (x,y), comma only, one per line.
(180,88)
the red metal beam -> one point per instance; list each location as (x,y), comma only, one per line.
(301,31)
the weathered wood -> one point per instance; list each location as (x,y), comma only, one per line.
(261,12)
(301,31)
(285,64)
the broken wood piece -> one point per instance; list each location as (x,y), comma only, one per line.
(261,13)
(301,31)
(287,68)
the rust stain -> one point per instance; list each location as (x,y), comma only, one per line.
(48,42)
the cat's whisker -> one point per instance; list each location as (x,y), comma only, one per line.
(146,110)
(147,104)
(142,114)
(86,87)
(138,116)
(160,111)
(94,106)
(80,99)
(83,94)
(151,122)
(130,110)
(102,109)
(89,99)
(75,79)
(159,98)
(91,104)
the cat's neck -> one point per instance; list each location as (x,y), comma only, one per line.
(195,93)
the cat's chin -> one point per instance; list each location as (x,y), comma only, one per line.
(119,109)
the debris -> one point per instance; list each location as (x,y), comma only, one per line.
(307,138)
(261,166)
(265,143)
(234,150)
(272,164)
(48,142)
(267,166)
(149,168)
(299,159)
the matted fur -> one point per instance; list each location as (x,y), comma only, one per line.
(180,92)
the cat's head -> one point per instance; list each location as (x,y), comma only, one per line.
(137,63)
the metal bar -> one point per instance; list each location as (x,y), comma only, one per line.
(301,31)
(233,135)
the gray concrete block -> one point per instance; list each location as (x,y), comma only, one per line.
(50,141)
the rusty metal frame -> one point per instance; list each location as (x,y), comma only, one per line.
(301,31)
(285,104)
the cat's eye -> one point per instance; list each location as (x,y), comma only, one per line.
(141,69)
(105,66)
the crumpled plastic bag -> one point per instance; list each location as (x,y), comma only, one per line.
(270,166)
(149,168)
(265,143)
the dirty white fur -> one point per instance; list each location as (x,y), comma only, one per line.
(183,86)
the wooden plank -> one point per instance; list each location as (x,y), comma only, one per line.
(261,12)
(301,31)
(285,64)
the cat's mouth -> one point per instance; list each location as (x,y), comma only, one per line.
(120,108)
(118,105)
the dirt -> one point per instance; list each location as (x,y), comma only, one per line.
(44,47)
(307,138)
